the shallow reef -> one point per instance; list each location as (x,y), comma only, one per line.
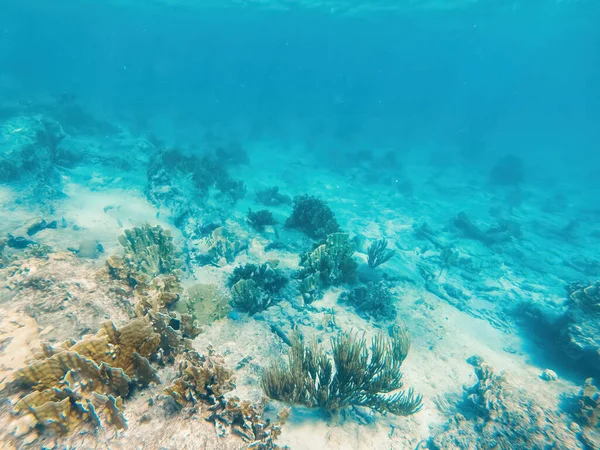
(229,290)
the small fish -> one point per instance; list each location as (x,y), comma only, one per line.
(119,223)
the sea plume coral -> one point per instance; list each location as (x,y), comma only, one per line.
(378,253)
(354,375)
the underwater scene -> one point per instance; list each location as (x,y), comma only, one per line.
(300,224)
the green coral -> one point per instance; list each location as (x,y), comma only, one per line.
(328,264)
(150,250)
(354,375)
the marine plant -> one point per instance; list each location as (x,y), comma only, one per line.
(313,217)
(260,219)
(330,263)
(378,253)
(272,197)
(354,375)
(375,300)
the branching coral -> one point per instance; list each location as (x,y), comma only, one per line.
(374,300)
(378,253)
(313,217)
(203,381)
(353,376)
(272,197)
(260,219)
(329,264)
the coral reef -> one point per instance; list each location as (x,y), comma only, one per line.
(150,250)
(328,264)
(378,253)
(191,186)
(260,219)
(579,329)
(204,303)
(359,376)
(266,276)
(78,382)
(254,288)
(272,197)
(4,259)
(202,382)
(495,415)
(313,217)
(587,413)
(374,300)
(221,248)
(589,405)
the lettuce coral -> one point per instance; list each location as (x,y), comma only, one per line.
(328,264)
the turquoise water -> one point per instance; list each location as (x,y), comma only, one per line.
(463,138)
